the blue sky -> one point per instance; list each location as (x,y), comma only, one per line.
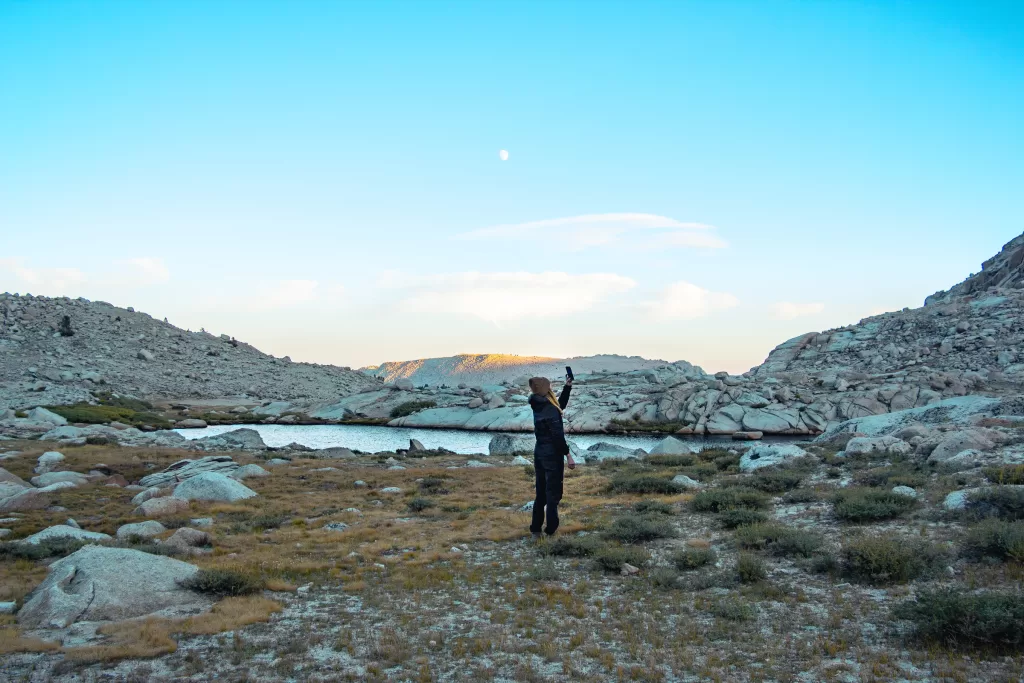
(694,181)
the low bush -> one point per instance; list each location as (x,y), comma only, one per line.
(1006,475)
(266,521)
(433,485)
(991,622)
(664,578)
(802,496)
(779,539)
(573,546)
(727,462)
(692,558)
(421,504)
(640,528)
(776,480)
(857,504)
(732,609)
(681,460)
(544,571)
(643,483)
(732,519)
(410,407)
(895,475)
(51,547)
(719,500)
(88,413)
(884,560)
(530,472)
(1004,502)
(222,583)
(653,507)
(996,538)
(750,568)
(611,558)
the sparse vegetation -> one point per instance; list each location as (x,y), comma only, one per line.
(732,519)
(720,500)
(1004,502)
(611,558)
(997,539)
(640,528)
(222,583)
(653,507)
(692,558)
(573,546)
(681,460)
(644,483)
(1012,475)
(750,568)
(421,504)
(779,539)
(883,560)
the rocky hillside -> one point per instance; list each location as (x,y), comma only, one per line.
(103,347)
(495,368)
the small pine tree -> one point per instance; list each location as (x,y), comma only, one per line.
(65,327)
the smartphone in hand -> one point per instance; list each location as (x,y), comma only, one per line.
(568,373)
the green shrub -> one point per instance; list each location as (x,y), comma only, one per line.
(1006,475)
(867,505)
(433,485)
(996,538)
(664,578)
(719,500)
(776,480)
(883,560)
(266,521)
(643,483)
(731,519)
(779,539)
(802,496)
(987,621)
(750,568)
(1004,502)
(92,414)
(729,461)
(682,460)
(825,563)
(640,528)
(410,407)
(222,582)
(653,507)
(611,558)
(732,609)
(573,546)
(692,558)
(51,547)
(895,475)
(543,571)
(529,471)
(421,504)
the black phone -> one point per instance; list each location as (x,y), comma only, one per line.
(568,372)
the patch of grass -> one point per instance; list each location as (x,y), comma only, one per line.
(992,622)
(530,471)
(688,559)
(640,528)
(421,504)
(727,462)
(771,480)
(266,521)
(719,500)
(653,507)
(779,539)
(1007,474)
(680,460)
(611,558)
(732,609)
(573,546)
(750,568)
(858,504)
(802,496)
(410,407)
(902,474)
(12,641)
(544,571)
(996,538)
(1003,502)
(732,519)
(643,483)
(884,560)
(433,485)
(222,582)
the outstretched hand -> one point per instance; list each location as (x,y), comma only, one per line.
(568,381)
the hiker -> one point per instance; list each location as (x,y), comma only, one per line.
(551,447)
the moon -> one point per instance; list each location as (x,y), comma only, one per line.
(503,155)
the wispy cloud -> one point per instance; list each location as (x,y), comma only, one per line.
(148,269)
(788,310)
(502,297)
(14,275)
(636,230)
(685,300)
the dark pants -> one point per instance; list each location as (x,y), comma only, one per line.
(549,475)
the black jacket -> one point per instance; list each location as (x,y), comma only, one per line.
(547,425)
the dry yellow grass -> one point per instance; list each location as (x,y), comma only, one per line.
(12,641)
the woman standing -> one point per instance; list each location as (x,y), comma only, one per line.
(548,453)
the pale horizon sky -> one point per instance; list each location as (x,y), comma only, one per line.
(687,181)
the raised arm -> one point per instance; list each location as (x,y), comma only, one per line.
(563,400)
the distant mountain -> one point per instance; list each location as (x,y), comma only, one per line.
(495,368)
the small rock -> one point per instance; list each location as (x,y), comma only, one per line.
(72,523)
(190,423)
(48,461)
(185,538)
(246,471)
(274,462)
(335,526)
(359,484)
(747,436)
(629,570)
(396,467)
(686,482)
(8,607)
(157,507)
(146,355)
(202,521)
(477,463)
(391,489)
(904,491)
(520,460)
(416,445)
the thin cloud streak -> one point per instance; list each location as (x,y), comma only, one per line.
(788,310)
(686,301)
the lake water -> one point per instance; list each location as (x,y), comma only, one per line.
(372,438)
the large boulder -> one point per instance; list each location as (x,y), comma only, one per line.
(158,507)
(957,442)
(212,486)
(11,478)
(109,584)
(244,438)
(76,478)
(769,454)
(609,451)
(146,529)
(511,444)
(32,499)
(64,531)
(671,446)
(48,462)
(46,416)
(865,445)
(186,469)
(246,471)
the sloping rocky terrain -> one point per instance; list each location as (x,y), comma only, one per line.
(495,368)
(129,352)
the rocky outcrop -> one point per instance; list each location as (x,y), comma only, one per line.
(108,584)
(64,531)
(1005,270)
(212,486)
(131,353)
(186,469)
